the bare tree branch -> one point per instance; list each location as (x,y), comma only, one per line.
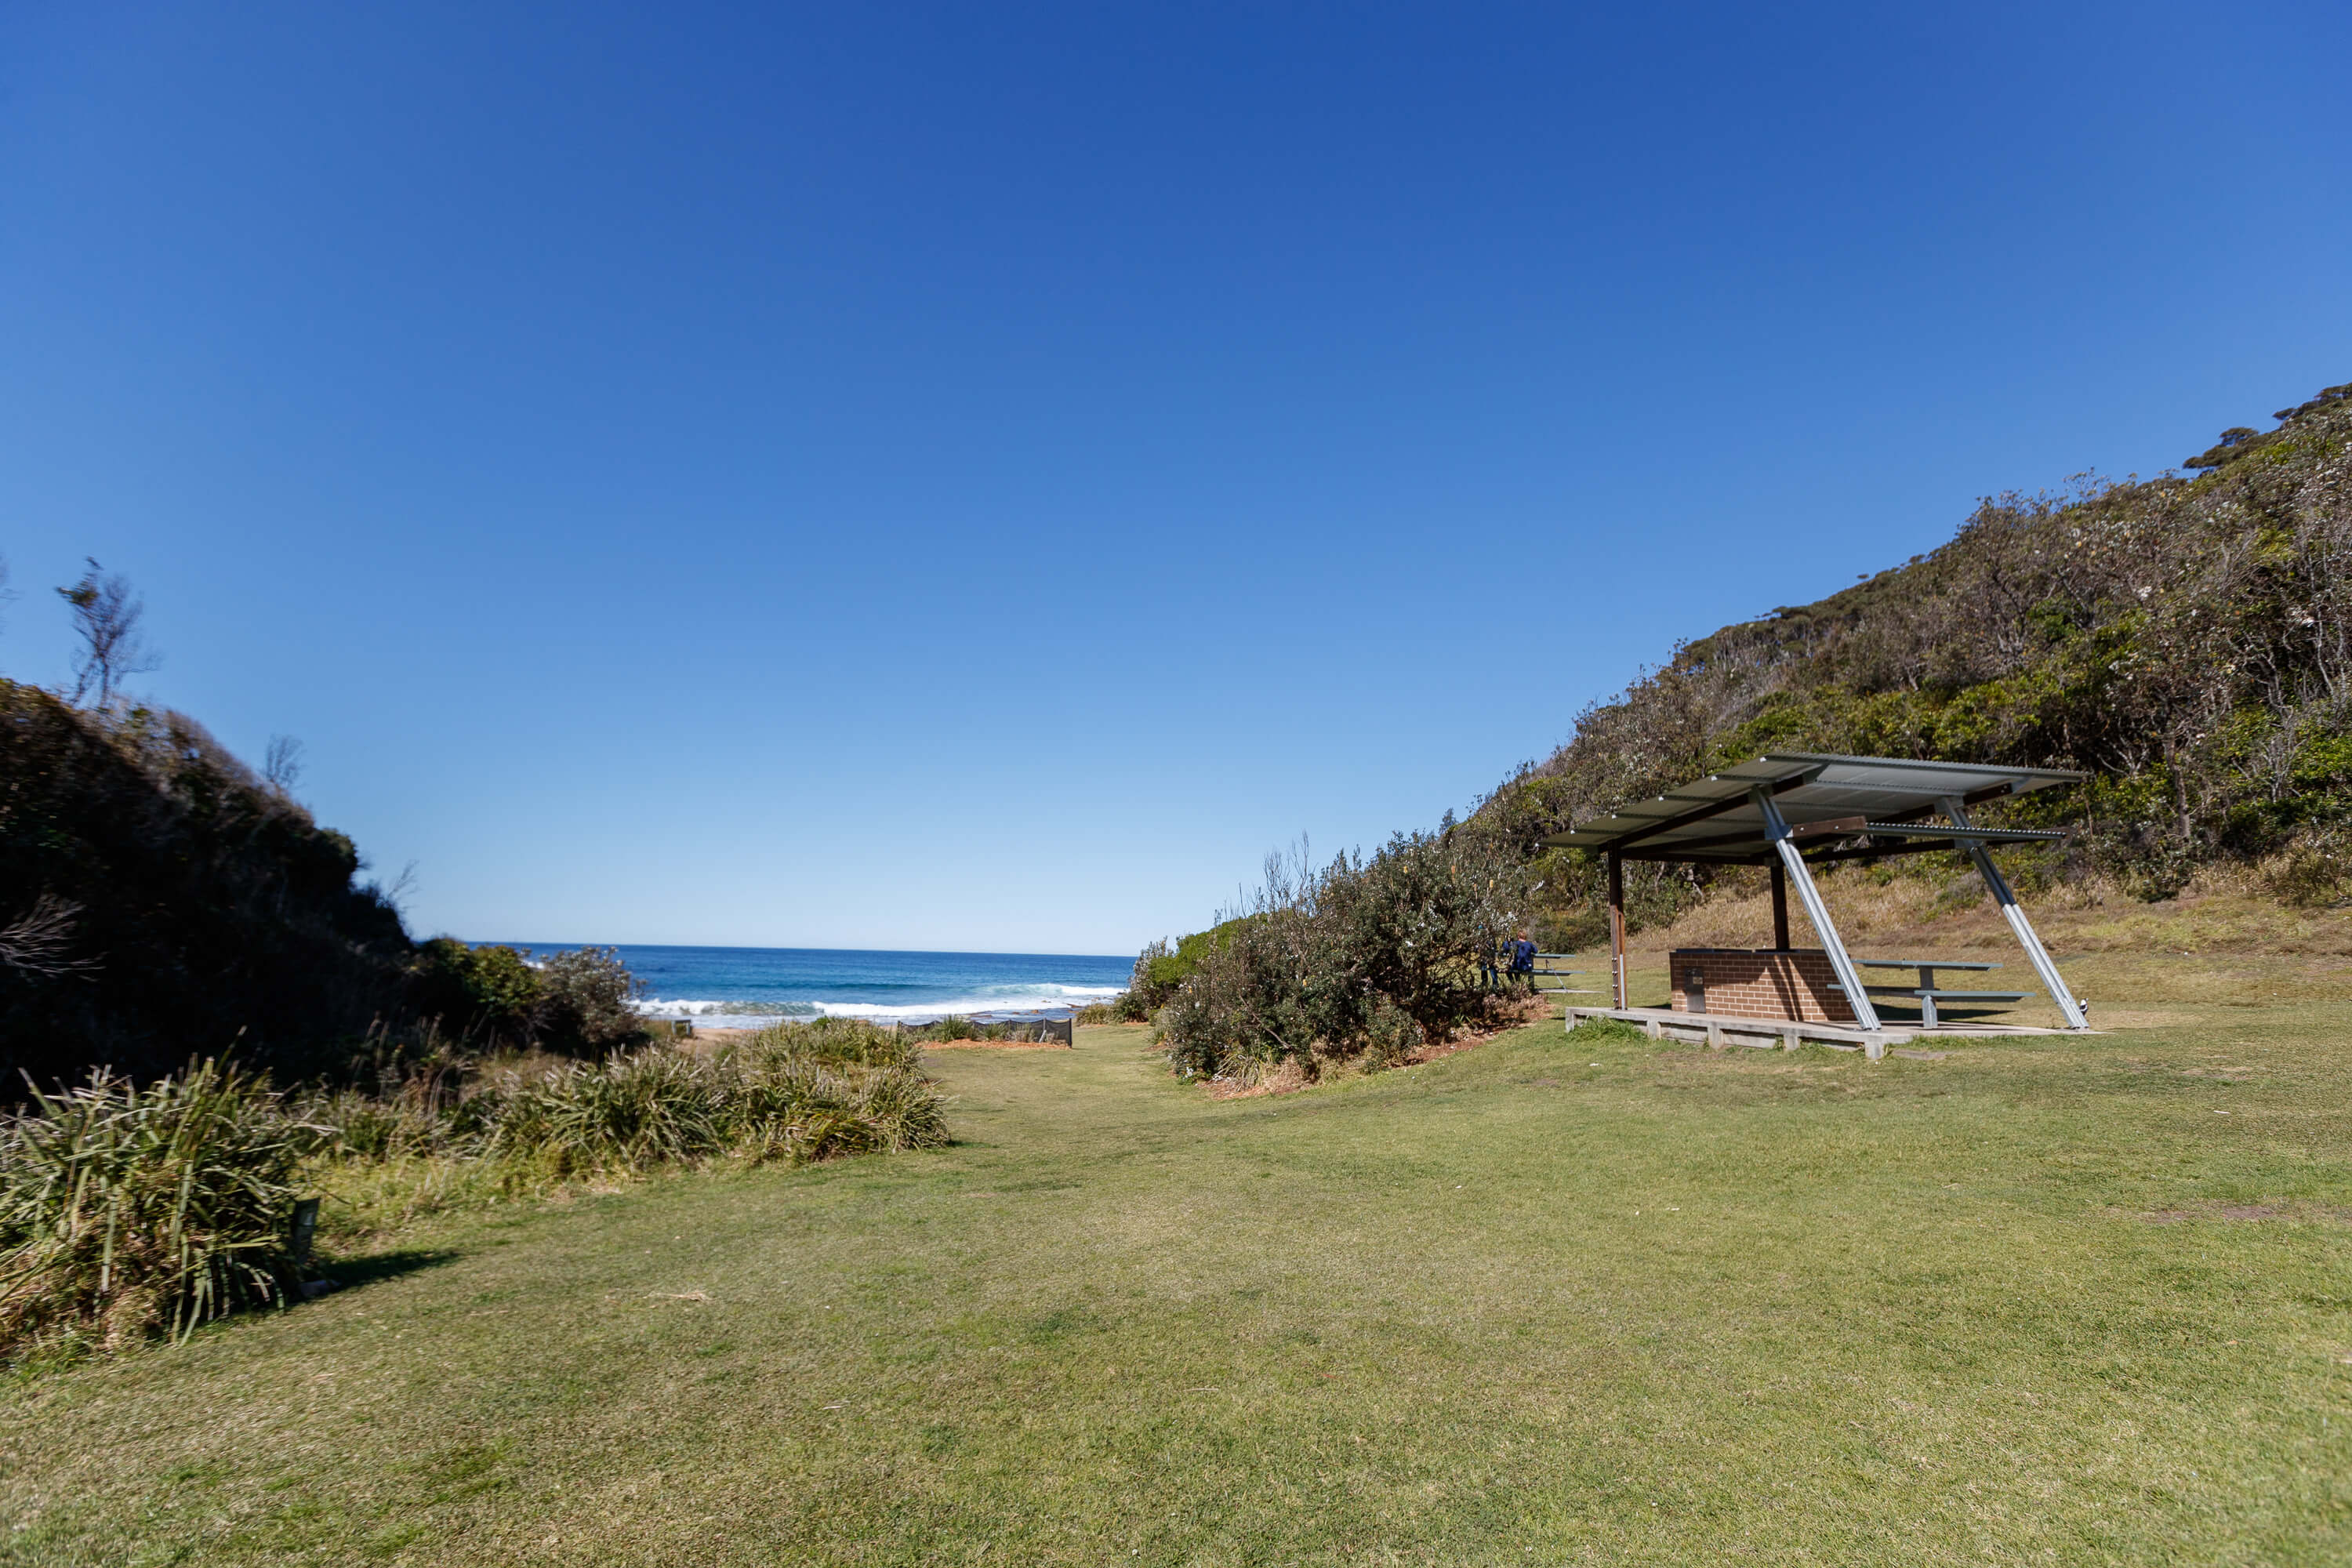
(106,613)
(282,765)
(37,941)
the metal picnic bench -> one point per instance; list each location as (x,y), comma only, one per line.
(1926,992)
(1556,974)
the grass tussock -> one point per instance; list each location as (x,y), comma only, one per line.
(791,1094)
(127,1212)
(130,1212)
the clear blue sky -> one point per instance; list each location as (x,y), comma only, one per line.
(979,476)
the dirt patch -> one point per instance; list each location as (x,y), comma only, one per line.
(1518,1015)
(994,1046)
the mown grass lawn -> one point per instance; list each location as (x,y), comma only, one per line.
(1565,1299)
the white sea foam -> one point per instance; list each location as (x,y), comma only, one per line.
(1030,998)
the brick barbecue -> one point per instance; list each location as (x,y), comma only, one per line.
(1743,983)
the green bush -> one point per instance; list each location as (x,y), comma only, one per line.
(128,1211)
(1159,969)
(1365,955)
(489,995)
(574,1003)
(583,1003)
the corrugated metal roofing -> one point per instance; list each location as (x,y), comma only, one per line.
(1713,818)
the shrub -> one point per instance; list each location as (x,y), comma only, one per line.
(2315,871)
(489,995)
(574,1003)
(128,1211)
(583,1003)
(1363,955)
(1159,969)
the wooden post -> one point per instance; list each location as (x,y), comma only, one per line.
(1616,929)
(1779,907)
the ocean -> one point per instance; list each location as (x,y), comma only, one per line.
(749,987)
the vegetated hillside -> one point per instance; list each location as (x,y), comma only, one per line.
(2186,640)
(158,900)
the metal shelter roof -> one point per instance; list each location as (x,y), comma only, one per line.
(1851,807)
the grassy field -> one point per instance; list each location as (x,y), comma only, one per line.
(1564,1298)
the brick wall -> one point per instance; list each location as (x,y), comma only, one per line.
(1741,984)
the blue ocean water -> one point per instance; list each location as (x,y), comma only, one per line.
(748,986)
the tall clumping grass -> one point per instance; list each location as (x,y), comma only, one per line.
(128,1211)
(792,1094)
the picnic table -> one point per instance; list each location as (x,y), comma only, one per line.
(1556,974)
(1926,992)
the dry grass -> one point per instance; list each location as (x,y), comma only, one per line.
(2225,911)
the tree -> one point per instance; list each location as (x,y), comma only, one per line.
(107,616)
(282,763)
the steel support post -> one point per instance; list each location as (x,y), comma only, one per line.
(1779,907)
(1616,931)
(1998,885)
(1776,829)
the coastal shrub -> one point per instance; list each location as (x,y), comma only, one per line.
(127,1211)
(489,995)
(2315,870)
(1392,1039)
(583,1003)
(1160,968)
(574,1003)
(1373,954)
(953,1028)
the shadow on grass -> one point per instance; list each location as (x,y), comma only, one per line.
(348,1273)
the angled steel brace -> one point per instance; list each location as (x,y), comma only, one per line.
(1775,830)
(2035,953)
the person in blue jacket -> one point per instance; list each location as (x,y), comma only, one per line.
(1523,960)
